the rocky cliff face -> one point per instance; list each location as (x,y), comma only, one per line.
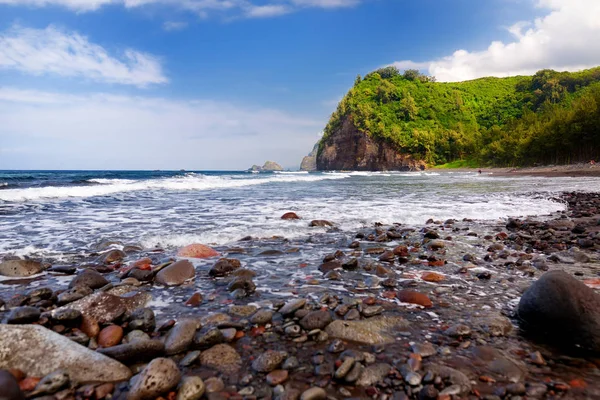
(309,163)
(350,149)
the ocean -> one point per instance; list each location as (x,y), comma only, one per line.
(61,214)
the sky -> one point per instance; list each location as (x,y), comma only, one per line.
(224,84)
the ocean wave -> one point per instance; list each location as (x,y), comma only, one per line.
(106,187)
(291,172)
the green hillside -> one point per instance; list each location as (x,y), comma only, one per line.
(551,117)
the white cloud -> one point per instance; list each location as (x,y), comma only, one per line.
(174,25)
(234,8)
(108,131)
(54,51)
(566,38)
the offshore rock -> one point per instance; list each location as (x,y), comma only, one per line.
(349,149)
(560,308)
(39,351)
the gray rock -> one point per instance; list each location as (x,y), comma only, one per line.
(494,325)
(73,294)
(51,383)
(105,307)
(111,256)
(208,338)
(455,377)
(143,319)
(66,315)
(136,336)
(292,306)
(424,349)
(316,320)
(262,317)
(176,273)
(343,369)
(373,374)
(10,387)
(20,268)
(90,278)
(23,346)
(224,267)
(560,308)
(190,358)
(380,330)
(180,337)
(191,388)
(23,315)
(269,361)
(223,358)
(354,373)
(160,376)
(135,351)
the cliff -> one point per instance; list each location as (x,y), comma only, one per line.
(347,148)
(309,163)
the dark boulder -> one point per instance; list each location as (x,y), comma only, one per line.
(90,278)
(224,267)
(559,308)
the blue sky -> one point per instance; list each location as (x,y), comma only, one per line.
(224,84)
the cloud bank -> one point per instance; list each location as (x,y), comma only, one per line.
(108,131)
(52,51)
(567,38)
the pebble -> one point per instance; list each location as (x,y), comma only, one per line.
(314,393)
(180,337)
(208,338)
(191,388)
(136,335)
(344,368)
(214,385)
(268,361)
(51,383)
(159,376)
(262,317)
(424,349)
(277,377)
(316,320)
(90,278)
(292,306)
(190,358)
(66,315)
(23,315)
(290,363)
(110,336)
(143,319)
(458,330)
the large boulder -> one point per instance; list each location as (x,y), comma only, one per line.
(38,351)
(20,268)
(562,309)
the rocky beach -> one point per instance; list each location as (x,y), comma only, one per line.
(442,309)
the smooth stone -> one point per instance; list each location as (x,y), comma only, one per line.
(292,306)
(105,307)
(379,330)
(139,350)
(424,349)
(374,374)
(10,387)
(242,311)
(560,308)
(23,315)
(51,383)
(176,273)
(90,278)
(190,388)
(20,268)
(344,368)
(316,320)
(224,267)
(23,346)
(136,336)
(277,377)
(314,393)
(143,319)
(320,223)
(190,358)
(494,325)
(111,256)
(180,337)
(160,376)
(262,317)
(455,377)
(66,315)
(412,297)
(222,358)
(73,294)
(110,336)
(269,360)
(197,251)
(208,337)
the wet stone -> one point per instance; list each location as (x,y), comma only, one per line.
(223,358)
(67,316)
(90,278)
(424,349)
(160,376)
(277,377)
(190,358)
(143,319)
(23,315)
(314,393)
(316,320)
(208,338)
(261,317)
(180,337)
(292,306)
(242,311)
(73,294)
(190,388)
(268,361)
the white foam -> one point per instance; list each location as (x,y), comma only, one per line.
(291,172)
(189,182)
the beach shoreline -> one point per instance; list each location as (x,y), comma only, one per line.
(548,171)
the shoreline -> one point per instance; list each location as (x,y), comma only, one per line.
(548,171)
(422,310)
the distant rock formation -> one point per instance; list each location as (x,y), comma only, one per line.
(269,166)
(309,163)
(350,149)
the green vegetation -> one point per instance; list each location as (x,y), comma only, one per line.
(551,117)
(471,163)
